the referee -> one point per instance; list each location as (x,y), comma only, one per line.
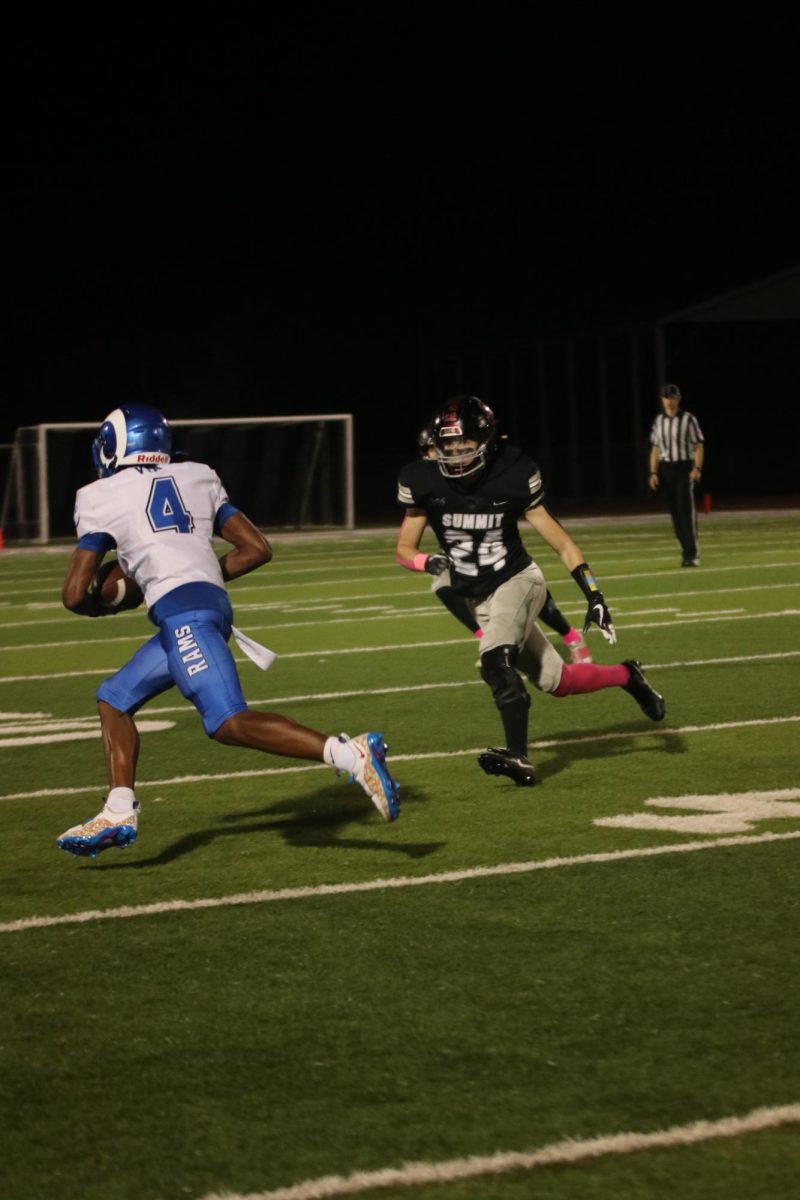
(676,461)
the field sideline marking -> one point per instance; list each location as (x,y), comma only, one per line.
(670,624)
(393,882)
(725,521)
(426,610)
(35,721)
(544,744)
(284,605)
(655,549)
(460,641)
(655,552)
(570,1150)
(652,553)
(707,570)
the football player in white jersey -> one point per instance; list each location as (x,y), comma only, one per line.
(160,516)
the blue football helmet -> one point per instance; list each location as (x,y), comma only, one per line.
(132,435)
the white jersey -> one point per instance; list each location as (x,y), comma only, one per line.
(162,520)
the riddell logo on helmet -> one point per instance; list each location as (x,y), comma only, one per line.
(152,458)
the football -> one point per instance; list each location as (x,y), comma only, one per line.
(114,589)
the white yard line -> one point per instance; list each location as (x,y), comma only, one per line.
(344,581)
(546,744)
(569,607)
(657,549)
(303,698)
(699,619)
(557,1154)
(49,735)
(661,540)
(427,611)
(133,637)
(460,641)
(379,885)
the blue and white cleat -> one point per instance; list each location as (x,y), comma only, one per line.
(101,833)
(371,773)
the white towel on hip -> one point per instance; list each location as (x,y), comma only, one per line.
(260,655)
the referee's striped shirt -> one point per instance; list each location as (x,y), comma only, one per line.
(676,437)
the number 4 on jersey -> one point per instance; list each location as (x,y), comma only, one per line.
(165,509)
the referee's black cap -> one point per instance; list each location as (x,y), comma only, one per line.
(671,390)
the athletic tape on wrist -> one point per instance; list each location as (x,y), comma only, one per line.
(585,580)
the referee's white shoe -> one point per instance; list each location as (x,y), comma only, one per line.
(649,700)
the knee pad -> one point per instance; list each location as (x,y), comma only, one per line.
(499,671)
(547,609)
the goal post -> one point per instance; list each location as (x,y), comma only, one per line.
(284,472)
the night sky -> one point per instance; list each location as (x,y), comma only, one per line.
(252,214)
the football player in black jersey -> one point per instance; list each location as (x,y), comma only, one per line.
(473,496)
(441,582)
(443,589)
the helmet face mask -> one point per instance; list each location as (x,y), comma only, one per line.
(132,435)
(465,434)
(460,456)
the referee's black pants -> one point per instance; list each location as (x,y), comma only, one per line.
(679,490)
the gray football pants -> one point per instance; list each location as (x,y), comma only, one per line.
(507,617)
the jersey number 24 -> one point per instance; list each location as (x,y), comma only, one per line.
(472,554)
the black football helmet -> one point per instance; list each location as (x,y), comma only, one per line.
(465,419)
(426,442)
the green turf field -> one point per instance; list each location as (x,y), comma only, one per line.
(274,986)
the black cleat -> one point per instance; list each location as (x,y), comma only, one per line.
(649,700)
(502,762)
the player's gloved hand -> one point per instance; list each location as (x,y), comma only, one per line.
(598,614)
(92,606)
(438,563)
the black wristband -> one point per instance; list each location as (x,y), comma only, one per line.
(585,580)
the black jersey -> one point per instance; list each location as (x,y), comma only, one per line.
(477,526)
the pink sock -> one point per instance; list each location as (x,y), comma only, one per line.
(590,677)
(570,638)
